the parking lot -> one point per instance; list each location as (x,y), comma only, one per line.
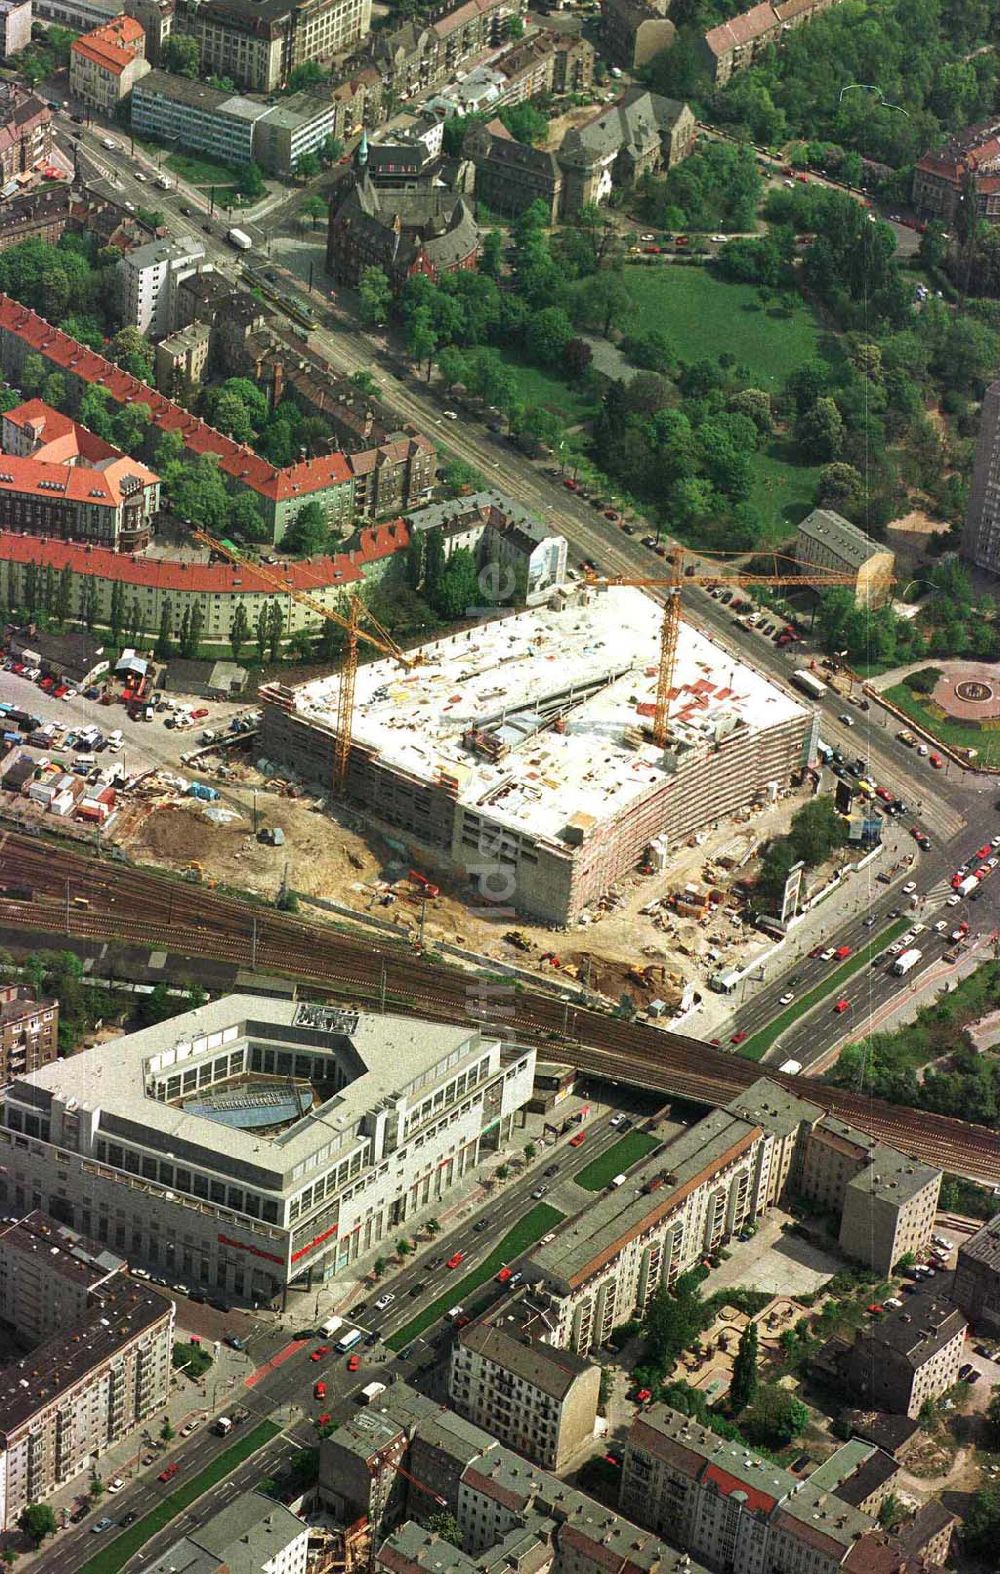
(146,744)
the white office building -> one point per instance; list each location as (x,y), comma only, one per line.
(253,1143)
(150,277)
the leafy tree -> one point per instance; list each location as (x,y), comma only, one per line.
(375,296)
(309,74)
(308,166)
(841,487)
(33,374)
(819,431)
(774,1418)
(180,55)
(309,532)
(38,1521)
(982,1523)
(275,624)
(167,1430)
(164,645)
(262,630)
(132,351)
(744,1381)
(673,1321)
(239,629)
(313,207)
(198,492)
(63,600)
(525,122)
(246,518)
(442,1523)
(458,474)
(421,340)
(89,605)
(491,256)
(457,594)
(250,181)
(604,301)
(54,390)
(755,404)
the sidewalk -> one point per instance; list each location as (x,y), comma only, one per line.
(189,1401)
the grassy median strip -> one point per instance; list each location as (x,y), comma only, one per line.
(632,1147)
(757,1046)
(532,1227)
(117,1553)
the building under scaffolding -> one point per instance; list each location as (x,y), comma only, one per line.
(523,746)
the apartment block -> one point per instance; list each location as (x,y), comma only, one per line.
(29,1031)
(967,166)
(742,1514)
(885,1201)
(976,1287)
(15,27)
(57,479)
(233,126)
(981,530)
(25,131)
(48,1274)
(900,1360)
(149,279)
(680,1205)
(829,543)
(150,1144)
(531,1396)
(156,18)
(786,1120)
(182,357)
(89,1383)
(258,45)
(105,64)
(251,1535)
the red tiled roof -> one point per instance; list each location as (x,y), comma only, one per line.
(78,483)
(742,29)
(61,438)
(113,46)
(235,459)
(757,1502)
(309,574)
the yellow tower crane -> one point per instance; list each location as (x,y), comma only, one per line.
(683,569)
(351,623)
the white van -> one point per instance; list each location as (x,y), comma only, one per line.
(116,739)
(618,1180)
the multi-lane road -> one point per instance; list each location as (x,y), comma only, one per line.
(284,1393)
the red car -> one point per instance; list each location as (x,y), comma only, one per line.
(842,953)
(199,715)
(936,761)
(841,1007)
(984,852)
(956,881)
(322,1420)
(651,251)
(453,1262)
(817,951)
(611,513)
(318,1355)
(884,794)
(578,1140)
(802,179)
(353,1363)
(983,873)
(319,1390)
(504,1275)
(643,1395)
(738,1038)
(170,1472)
(569,484)
(875,1309)
(463,1321)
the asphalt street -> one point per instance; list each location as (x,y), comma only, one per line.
(285,1394)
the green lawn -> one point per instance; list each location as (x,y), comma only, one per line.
(784,492)
(117,1553)
(200,171)
(703,316)
(538,388)
(756,1047)
(632,1147)
(536,1223)
(956,734)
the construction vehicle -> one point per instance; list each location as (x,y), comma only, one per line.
(787,572)
(425,887)
(351,623)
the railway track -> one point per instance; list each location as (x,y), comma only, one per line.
(97,900)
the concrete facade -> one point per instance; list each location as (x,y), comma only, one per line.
(102,1367)
(150,277)
(182,357)
(232,126)
(388,1115)
(15,27)
(635,30)
(908,1356)
(29,1031)
(534,1397)
(981,531)
(259,45)
(826,541)
(885,1201)
(251,1535)
(976,1288)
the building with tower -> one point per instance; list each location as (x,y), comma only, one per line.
(404,230)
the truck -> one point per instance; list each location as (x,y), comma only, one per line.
(223,1426)
(809,684)
(968,885)
(370,1393)
(791,1068)
(164,182)
(906,960)
(240,239)
(352,1337)
(203,791)
(330,1327)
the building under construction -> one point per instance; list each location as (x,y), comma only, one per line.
(523,747)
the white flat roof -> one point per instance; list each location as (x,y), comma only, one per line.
(414,720)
